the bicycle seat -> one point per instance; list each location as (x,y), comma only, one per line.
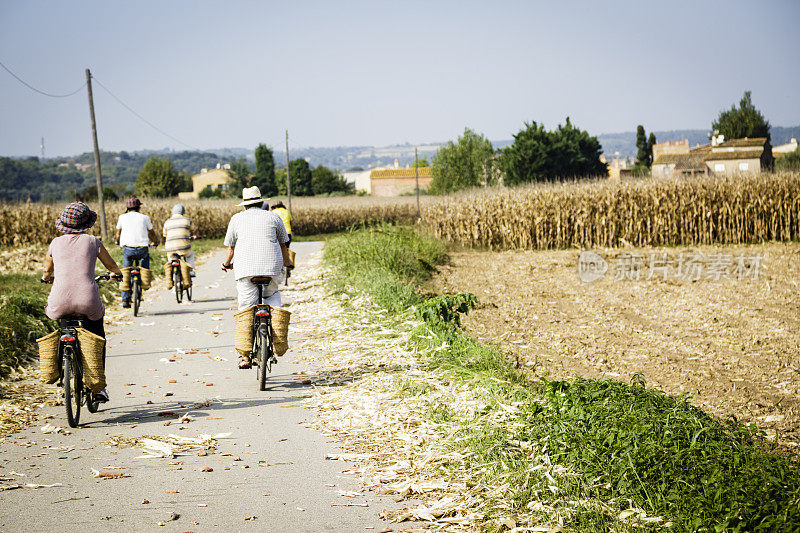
(261,280)
(72,321)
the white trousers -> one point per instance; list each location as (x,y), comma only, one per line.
(248,292)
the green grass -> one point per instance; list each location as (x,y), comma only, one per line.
(385,261)
(628,446)
(22,318)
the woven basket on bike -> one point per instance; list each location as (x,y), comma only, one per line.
(168,274)
(280,325)
(186,274)
(243,330)
(94,375)
(147,278)
(291,258)
(48,357)
(125,284)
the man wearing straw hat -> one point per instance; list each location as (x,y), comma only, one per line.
(256,241)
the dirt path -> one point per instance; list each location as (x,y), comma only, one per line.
(732,345)
(268,474)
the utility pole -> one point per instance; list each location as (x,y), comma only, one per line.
(416,178)
(42,147)
(98,174)
(288,179)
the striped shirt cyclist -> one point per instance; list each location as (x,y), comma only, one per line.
(178,231)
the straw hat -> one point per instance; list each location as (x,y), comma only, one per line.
(76,218)
(252,195)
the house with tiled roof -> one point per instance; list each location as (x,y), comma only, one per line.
(217,178)
(398,181)
(675,158)
(720,158)
(736,156)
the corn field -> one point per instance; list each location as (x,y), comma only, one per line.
(33,223)
(648,212)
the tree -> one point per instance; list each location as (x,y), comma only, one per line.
(539,155)
(644,153)
(159,178)
(265,171)
(465,163)
(89,194)
(421,163)
(300,174)
(210,192)
(746,121)
(326,181)
(280,181)
(240,174)
(641,145)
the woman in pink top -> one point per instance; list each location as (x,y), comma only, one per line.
(69,265)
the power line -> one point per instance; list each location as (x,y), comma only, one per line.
(126,106)
(31,87)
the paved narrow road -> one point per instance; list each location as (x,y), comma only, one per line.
(281,479)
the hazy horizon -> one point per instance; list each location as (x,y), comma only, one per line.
(377,74)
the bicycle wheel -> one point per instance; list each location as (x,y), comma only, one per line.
(263,360)
(72,388)
(189,293)
(136,293)
(177,281)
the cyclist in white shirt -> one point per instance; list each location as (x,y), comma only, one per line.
(135,234)
(256,241)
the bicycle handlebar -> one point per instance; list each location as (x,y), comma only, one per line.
(101,277)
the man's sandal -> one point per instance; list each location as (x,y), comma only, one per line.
(244,362)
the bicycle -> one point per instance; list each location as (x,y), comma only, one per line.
(70,358)
(263,334)
(177,279)
(136,286)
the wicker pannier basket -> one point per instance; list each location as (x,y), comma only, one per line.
(168,274)
(48,357)
(291,258)
(186,274)
(280,325)
(94,375)
(243,330)
(147,277)
(125,284)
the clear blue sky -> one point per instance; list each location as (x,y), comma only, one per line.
(236,73)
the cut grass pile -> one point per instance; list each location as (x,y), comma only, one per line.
(633,457)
